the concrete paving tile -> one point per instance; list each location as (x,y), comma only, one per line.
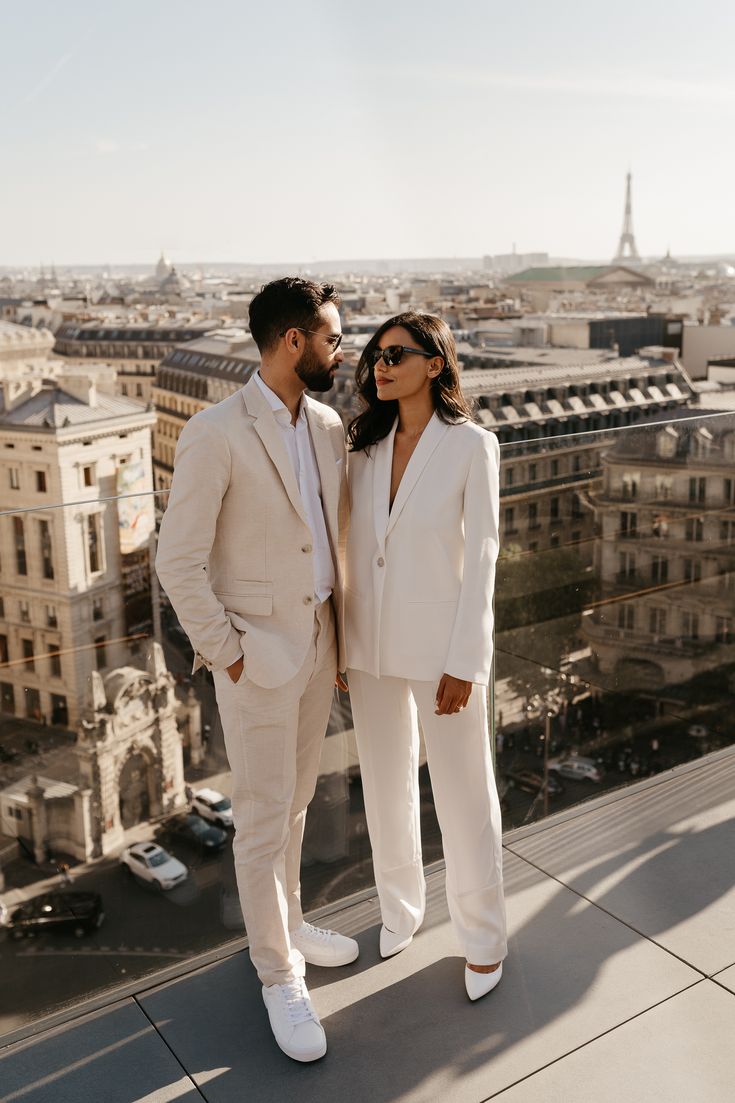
(727,977)
(111,1056)
(680,1051)
(660,859)
(403,1029)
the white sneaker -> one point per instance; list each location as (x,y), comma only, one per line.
(294,1022)
(320,947)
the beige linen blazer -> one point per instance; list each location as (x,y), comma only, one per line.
(419,579)
(235,548)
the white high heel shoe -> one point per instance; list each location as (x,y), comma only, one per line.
(391,943)
(479,984)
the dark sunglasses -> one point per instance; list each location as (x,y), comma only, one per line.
(393,354)
(333,339)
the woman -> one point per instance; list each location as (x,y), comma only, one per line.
(418,617)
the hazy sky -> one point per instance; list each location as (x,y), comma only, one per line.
(298,131)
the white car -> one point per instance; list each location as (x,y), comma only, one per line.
(579,769)
(152,863)
(213,806)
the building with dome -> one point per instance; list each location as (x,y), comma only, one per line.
(163,267)
(172,287)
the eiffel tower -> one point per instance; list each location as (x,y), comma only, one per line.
(627,240)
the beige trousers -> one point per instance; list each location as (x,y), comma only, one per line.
(386,712)
(273,739)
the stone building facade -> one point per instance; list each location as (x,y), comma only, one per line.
(134,349)
(190,378)
(665,553)
(67,444)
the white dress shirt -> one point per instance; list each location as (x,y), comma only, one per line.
(297,439)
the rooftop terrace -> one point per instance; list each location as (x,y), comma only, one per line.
(620,984)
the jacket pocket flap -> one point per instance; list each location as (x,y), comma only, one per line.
(257,604)
(243,586)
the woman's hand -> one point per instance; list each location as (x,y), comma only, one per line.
(341,684)
(452,695)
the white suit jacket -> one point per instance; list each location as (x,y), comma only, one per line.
(235,549)
(419,580)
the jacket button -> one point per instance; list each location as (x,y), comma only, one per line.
(308,600)
(306,548)
(381,561)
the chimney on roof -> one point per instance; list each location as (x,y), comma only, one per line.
(18,391)
(81,387)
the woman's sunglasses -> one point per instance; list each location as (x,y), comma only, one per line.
(393,354)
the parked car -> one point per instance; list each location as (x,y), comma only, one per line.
(578,769)
(195,832)
(531,782)
(213,806)
(153,864)
(77,913)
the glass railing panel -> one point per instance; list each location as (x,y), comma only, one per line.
(614,643)
(615,607)
(107,739)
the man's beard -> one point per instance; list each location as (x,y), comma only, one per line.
(315,374)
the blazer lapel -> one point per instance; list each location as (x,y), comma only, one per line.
(267,429)
(382,463)
(422,453)
(327,463)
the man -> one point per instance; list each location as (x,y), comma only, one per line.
(248,553)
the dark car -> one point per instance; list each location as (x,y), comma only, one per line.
(195,832)
(531,782)
(76,913)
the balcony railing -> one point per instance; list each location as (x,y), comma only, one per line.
(641,642)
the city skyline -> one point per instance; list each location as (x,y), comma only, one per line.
(300,136)
(335,266)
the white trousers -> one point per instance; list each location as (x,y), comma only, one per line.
(273,739)
(385,711)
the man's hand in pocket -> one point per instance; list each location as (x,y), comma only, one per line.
(236,669)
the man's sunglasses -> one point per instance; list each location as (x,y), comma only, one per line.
(334,339)
(393,354)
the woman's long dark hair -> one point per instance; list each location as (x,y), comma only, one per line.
(431,334)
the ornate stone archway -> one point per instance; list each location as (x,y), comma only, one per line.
(130,750)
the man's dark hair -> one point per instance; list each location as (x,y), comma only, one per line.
(286,303)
